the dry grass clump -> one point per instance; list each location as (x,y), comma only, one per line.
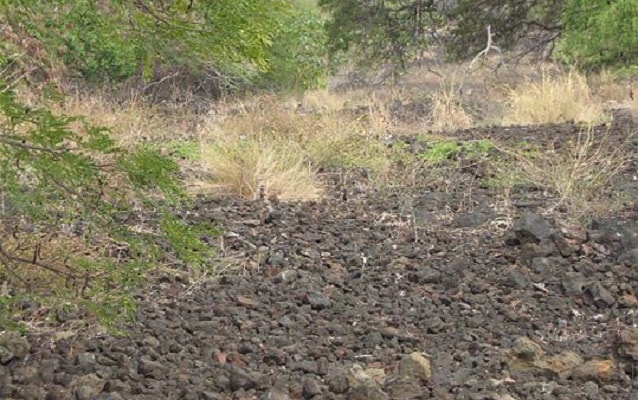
(245,167)
(552,100)
(577,176)
(448,113)
(270,144)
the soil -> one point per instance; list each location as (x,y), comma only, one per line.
(441,292)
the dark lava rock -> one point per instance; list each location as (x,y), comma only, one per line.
(532,228)
(396,294)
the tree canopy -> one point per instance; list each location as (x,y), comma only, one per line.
(588,33)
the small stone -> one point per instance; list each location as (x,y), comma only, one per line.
(337,381)
(310,387)
(628,301)
(148,367)
(591,388)
(317,300)
(560,364)
(573,283)
(629,257)
(517,279)
(274,394)
(308,366)
(151,341)
(241,379)
(110,396)
(628,346)
(523,354)
(85,362)
(13,346)
(47,369)
(532,228)
(600,295)
(415,366)
(367,392)
(403,388)
(88,386)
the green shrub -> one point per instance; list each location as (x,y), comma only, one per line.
(298,54)
(598,33)
(72,207)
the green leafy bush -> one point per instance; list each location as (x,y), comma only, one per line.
(298,54)
(72,212)
(598,33)
(111,40)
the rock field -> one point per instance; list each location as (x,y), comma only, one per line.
(443,293)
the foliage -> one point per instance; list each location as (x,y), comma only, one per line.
(533,24)
(186,241)
(68,196)
(378,33)
(299,53)
(113,39)
(590,33)
(445,150)
(598,33)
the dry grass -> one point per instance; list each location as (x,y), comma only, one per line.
(576,177)
(132,123)
(247,166)
(448,113)
(270,144)
(554,99)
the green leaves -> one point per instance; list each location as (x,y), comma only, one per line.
(599,33)
(298,56)
(379,33)
(113,40)
(66,194)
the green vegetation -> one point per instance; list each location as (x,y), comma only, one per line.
(445,150)
(599,33)
(67,192)
(228,41)
(589,33)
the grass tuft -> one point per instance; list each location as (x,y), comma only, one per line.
(552,100)
(243,167)
(448,113)
(577,177)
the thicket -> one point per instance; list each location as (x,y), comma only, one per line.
(226,43)
(585,33)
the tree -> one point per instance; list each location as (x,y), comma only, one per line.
(112,40)
(599,33)
(379,32)
(589,33)
(523,25)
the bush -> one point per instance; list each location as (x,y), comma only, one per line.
(598,33)
(298,54)
(68,199)
(225,41)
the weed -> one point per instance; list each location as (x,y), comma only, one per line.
(577,176)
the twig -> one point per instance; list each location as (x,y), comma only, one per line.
(34,262)
(23,145)
(150,85)
(489,46)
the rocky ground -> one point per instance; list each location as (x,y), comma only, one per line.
(448,292)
